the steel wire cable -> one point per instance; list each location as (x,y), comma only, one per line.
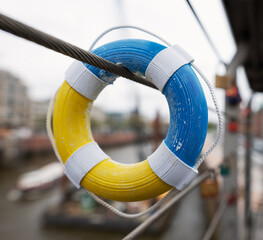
(205,33)
(24,31)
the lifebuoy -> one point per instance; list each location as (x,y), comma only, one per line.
(171,165)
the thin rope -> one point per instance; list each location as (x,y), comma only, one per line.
(172,191)
(49,127)
(219,117)
(127,26)
(24,31)
(169,195)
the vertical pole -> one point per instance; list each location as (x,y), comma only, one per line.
(230,218)
(248,217)
(229,223)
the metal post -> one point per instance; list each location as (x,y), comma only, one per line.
(238,59)
(229,223)
(229,229)
(248,217)
(218,215)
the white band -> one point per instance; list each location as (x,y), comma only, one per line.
(82,161)
(84,81)
(165,64)
(170,168)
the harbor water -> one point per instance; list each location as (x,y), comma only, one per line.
(24,219)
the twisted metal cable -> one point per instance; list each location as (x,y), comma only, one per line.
(205,32)
(24,31)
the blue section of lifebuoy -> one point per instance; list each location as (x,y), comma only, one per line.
(184,94)
(135,54)
(188,115)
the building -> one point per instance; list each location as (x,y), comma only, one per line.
(39,115)
(15,105)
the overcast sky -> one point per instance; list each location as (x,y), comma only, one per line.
(81,21)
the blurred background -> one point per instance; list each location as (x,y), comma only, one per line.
(38,202)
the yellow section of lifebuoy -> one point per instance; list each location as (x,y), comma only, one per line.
(108,179)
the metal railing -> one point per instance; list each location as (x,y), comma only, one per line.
(142,227)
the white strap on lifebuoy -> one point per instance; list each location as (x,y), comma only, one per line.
(82,161)
(170,168)
(84,81)
(165,64)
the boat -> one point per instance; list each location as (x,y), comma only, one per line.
(34,184)
(81,211)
